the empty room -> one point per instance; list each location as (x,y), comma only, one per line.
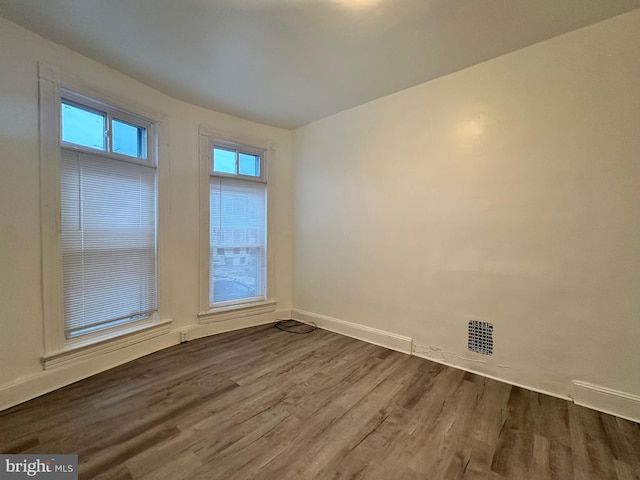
(320,239)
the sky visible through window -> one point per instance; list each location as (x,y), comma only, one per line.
(224,161)
(83,127)
(87,128)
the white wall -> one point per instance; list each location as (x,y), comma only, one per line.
(508,192)
(21,323)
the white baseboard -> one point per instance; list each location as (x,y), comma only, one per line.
(383,338)
(492,377)
(607,400)
(620,404)
(228,325)
(614,402)
(46,381)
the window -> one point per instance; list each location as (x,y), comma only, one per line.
(102,215)
(87,126)
(237,267)
(238,163)
(108,217)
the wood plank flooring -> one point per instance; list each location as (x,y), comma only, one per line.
(265,404)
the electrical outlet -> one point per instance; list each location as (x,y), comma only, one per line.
(183,336)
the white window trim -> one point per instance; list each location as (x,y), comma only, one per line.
(227,312)
(57,349)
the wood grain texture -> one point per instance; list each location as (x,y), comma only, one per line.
(260,403)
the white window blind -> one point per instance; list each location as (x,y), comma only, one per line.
(108,240)
(237,263)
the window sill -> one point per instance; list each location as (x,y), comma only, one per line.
(237,311)
(85,349)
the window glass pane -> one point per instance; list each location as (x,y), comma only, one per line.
(224,161)
(129,139)
(249,164)
(240,231)
(83,127)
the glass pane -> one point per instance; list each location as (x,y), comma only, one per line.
(224,161)
(83,127)
(129,139)
(249,164)
(237,235)
(237,275)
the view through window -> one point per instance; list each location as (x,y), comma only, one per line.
(237,226)
(108,213)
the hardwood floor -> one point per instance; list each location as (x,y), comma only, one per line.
(264,404)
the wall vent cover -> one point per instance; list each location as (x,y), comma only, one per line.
(480,337)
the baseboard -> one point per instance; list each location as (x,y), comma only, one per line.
(613,402)
(620,404)
(228,325)
(492,377)
(607,400)
(47,381)
(372,335)
(392,341)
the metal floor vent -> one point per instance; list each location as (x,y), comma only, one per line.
(480,337)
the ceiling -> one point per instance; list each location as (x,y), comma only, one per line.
(289,62)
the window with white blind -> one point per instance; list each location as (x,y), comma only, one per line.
(237,224)
(108,217)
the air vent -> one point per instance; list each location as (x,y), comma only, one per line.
(480,337)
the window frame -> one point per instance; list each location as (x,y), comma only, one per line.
(53,86)
(210,138)
(239,149)
(110,113)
